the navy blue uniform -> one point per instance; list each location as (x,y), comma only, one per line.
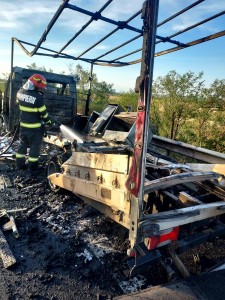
(32,113)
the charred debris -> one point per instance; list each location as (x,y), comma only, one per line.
(112,161)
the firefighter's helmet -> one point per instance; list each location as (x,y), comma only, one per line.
(39,81)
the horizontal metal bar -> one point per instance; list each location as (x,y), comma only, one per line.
(188,150)
(192,43)
(109,34)
(120,46)
(178,217)
(47,30)
(180,12)
(189,44)
(195,25)
(97,16)
(168,181)
(84,27)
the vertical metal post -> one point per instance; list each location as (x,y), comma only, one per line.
(136,177)
(87,107)
(153,7)
(11,88)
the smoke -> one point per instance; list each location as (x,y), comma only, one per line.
(70,134)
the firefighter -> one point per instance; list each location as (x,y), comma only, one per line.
(33,114)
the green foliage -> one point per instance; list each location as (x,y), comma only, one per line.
(35,67)
(175,94)
(3,80)
(2,85)
(184,109)
(100,90)
(127,100)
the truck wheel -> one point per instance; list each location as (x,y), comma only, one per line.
(53,167)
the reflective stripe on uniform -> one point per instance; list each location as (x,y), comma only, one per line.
(45,116)
(28,109)
(42,108)
(28,125)
(33,159)
(18,155)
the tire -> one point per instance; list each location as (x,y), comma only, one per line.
(53,167)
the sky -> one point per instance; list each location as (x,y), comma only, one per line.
(27,21)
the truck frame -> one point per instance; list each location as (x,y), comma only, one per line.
(127,173)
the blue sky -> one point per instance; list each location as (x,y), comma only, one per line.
(27,20)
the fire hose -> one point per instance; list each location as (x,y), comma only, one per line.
(17,130)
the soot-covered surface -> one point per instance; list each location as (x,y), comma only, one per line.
(68,250)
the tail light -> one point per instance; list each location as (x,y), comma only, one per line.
(165,237)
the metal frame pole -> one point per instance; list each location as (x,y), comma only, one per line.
(11,88)
(87,107)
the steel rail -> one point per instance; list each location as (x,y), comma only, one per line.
(49,27)
(116,62)
(162,23)
(109,34)
(85,26)
(193,43)
(189,44)
(119,46)
(180,12)
(177,33)
(94,16)
(62,55)
(195,25)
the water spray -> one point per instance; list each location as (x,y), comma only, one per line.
(68,132)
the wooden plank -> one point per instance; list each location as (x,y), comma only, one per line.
(162,183)
(5,252)
(188,199)
(108,162)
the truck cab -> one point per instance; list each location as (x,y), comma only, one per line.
(60,97)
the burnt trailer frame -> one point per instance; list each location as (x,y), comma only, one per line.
(127,191)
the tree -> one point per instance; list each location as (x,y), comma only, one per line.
(100,90)
(172,104)
(35,67)
(127,100)
(209,117)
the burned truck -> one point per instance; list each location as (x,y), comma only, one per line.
(122,169)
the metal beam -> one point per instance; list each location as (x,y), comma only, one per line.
(169,181)
(85,26)
(182,216)
(188,150)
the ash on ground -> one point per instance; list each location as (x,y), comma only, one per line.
(64,248)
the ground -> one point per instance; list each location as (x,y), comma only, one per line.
(68,250)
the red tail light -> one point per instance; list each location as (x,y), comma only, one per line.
(165,237)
